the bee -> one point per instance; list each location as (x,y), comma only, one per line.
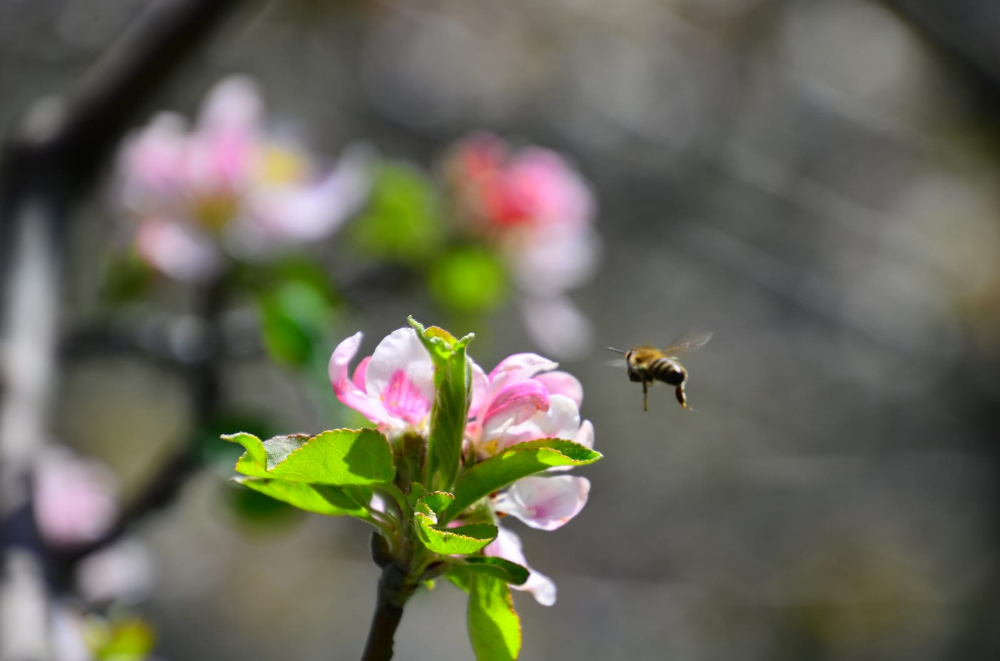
(648,364)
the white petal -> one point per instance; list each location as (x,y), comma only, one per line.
(508,546)
(558,258)
(400,350)
(585,436)
(562,420)
(234,104)
(562,383)
(178,250)
(545,503)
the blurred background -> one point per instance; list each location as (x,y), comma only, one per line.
(816,181)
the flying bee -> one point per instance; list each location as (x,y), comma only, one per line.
(648,364)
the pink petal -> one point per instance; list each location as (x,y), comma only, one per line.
(177,250)
(562,383)
(75,500)
(403,399)
(507,545)
(359,373)
(562,420)
(517,367)
(401,350)
(152,162)
(553,190)
(546,503)
(513,405)
(346,390)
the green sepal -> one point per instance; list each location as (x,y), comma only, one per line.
(452,386)
(339,457)
(512,464)
(494,627)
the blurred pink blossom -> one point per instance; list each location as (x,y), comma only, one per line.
(75,499)
(539,213)
(228,185)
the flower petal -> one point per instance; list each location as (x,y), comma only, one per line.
(480,386)
(562,420)
(177,250)
(508,546)
(513,405)
(545,503)
(562,383)
(585,436)
(517,367)
(401,375)
(346,390)
(359,373)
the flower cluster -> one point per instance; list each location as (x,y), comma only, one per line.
(523,399)
(538,211)
(228,183)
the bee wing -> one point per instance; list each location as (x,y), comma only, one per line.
(688,342)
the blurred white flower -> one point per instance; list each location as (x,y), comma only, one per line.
(228,184)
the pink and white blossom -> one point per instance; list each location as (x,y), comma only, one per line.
(227,185)
(545,503)
(394,387)
(539,213)
(525,399)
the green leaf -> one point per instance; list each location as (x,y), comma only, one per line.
(449,541)
(319,498)
(403,220)
(512,464)
(433,503)
(339,457)
(505,570)
(494,628)
(294,316)
(452,384)
(460,577)
(454,541)
(468,280)
(254,460)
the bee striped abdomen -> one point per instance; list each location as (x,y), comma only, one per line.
(668,371)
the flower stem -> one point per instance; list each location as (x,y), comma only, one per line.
(394,589)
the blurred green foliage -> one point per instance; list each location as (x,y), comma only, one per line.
(403,222)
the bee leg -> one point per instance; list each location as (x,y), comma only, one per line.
(682,398)
(645,395)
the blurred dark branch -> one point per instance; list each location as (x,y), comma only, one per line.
(964,32)
(48,164)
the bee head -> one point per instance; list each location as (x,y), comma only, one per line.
(633,368)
